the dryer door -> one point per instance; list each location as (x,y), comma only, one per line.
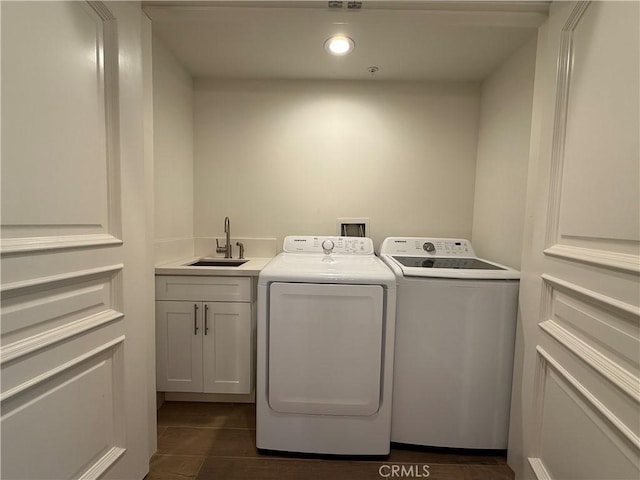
(325,348)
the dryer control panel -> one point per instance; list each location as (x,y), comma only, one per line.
(427,247)
(328,245)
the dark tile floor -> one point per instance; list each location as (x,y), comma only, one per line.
(214,441)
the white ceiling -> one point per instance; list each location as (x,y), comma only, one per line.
(406,40)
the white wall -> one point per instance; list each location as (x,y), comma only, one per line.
(284,158)
(503,155)
(173,156)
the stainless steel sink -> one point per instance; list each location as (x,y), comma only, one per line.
(217,262)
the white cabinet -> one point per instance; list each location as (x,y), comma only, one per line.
(204,341)
(227,348)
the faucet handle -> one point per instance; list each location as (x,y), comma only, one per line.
(241,247)
(220,249)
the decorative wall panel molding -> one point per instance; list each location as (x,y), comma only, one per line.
(555,386)
(591,217)
(539,469)
(45,311)
(592,326)
(101,466)
(49,374)
(64,190)
(34,244)
(619,377)
(620,308)
(65,413)
(601,258)
(87,395)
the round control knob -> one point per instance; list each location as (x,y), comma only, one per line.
(327,246)
(429,247)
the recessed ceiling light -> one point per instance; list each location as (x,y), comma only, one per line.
(339,45)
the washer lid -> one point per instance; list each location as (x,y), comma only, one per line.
(494,271)
(446,262)
(440,258)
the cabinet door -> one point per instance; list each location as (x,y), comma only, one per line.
(179,346)
(227,347)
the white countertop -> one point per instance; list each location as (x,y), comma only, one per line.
(181,267)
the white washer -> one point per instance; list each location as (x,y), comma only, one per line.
(326,320)
(455,334)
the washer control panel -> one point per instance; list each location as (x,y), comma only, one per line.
(428,247)
(328,245)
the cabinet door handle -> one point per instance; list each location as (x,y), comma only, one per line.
(195,319)
(206,319)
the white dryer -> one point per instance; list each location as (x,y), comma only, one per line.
(455,335)
(326,319)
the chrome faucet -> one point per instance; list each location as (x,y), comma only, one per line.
(227,247)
